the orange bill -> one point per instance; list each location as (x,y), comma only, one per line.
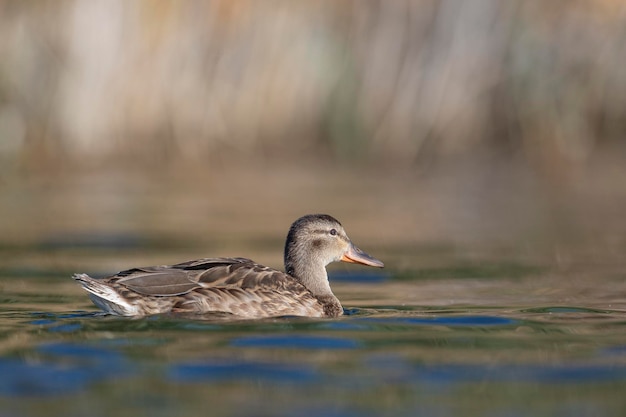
(357,256)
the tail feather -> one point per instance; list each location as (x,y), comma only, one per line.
(105,296)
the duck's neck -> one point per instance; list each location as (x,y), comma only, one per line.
(311,272)
(312,276)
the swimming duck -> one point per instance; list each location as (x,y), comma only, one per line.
(238,286)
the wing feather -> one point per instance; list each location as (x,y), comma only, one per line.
(168,282)
(230,285)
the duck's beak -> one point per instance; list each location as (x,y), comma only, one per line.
(357,256)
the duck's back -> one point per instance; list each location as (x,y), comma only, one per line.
(236,286)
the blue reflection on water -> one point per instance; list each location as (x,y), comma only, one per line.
(66,367)
(617,350)
(395,368)
(516,373)
(60,368)
(295,341)
(37,379)
(246,370)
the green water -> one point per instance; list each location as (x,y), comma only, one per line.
(470,339)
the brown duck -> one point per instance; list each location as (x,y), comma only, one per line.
(238,286)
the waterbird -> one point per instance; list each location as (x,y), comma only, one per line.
(238,286)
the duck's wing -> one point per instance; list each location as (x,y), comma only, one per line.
(208,263)
(208,273)
(157,282)
(230,285)
(244,288)
(242,273)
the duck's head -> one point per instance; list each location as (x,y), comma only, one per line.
(320,239)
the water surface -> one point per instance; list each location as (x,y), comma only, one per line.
(461,338)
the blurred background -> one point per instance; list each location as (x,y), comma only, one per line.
(209,126)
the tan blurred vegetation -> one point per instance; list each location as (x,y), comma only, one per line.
(467,118)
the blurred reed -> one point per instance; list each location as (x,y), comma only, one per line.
(406,82)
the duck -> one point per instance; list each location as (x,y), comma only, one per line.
(238,287)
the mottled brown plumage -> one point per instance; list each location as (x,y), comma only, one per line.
(238,286)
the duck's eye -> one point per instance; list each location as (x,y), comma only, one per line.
(333,232)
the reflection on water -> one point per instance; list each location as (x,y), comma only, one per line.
(408,345)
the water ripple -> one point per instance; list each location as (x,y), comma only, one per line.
(246,370)
(295,342)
